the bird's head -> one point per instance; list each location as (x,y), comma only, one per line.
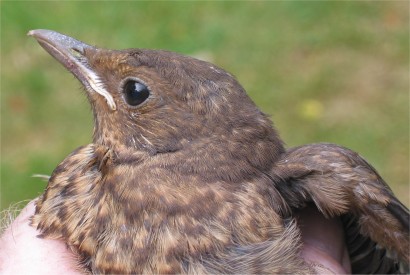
(160,101)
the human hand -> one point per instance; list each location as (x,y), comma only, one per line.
(324,246)
(22,252)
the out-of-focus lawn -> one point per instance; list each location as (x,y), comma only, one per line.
(326,71)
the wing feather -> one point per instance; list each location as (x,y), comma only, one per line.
(341,183)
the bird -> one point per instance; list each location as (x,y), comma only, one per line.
(186,175)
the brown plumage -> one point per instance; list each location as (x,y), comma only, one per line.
(186,175)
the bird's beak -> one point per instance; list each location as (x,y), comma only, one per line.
(70,52)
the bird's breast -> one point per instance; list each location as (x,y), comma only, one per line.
(125,216)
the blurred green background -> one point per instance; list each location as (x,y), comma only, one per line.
(325,71)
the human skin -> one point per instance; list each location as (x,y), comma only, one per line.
(323,242)
(23,252)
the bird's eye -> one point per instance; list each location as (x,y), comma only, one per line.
(135,92)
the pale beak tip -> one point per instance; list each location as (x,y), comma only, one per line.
(32,32)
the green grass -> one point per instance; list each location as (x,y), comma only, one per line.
(325,71)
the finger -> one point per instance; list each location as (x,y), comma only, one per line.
(22,252)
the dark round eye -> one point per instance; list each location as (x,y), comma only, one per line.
(135,92)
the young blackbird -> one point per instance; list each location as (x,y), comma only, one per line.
(186,175)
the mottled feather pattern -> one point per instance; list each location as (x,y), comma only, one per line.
(195,179)
(201,217)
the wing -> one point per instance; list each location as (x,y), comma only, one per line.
(341,183)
